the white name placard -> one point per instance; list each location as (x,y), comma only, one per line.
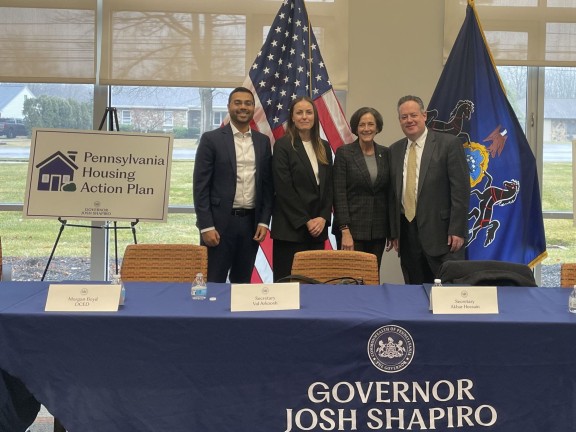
(464,300)
(264,297)
(82,298)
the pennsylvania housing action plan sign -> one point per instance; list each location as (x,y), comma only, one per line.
(98,175)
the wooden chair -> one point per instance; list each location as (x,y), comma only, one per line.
(324,265)
(164,262)
(567,275)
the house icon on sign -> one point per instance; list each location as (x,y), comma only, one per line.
(56,172)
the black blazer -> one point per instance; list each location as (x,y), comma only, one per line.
(358,203)
(215,178)
(298,197)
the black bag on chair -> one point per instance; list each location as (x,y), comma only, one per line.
(345,280)
(486,273)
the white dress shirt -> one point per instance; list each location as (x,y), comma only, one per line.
(245,197)
(313,159)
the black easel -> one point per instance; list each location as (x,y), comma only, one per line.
(112,114)
(64,223)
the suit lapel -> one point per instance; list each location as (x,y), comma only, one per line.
(322,173)
(258,152)
(425,159)
(361,163)
(380,160)
(230,148)
(399,164)
(301,152)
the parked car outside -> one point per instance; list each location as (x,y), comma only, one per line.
(12,127)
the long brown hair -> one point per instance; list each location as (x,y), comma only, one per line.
(291,129)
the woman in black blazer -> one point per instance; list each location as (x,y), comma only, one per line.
(302,170)
(361,182)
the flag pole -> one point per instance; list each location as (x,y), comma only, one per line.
(477,18)
(310,62)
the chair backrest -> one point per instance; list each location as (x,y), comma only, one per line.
(164,262)
(324,265)
(567,275)
(486,273)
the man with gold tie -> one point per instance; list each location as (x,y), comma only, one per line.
(430,195)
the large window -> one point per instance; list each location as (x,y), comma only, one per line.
(53,53)
(520,32)
(558,133)
(27,243)
(556,127)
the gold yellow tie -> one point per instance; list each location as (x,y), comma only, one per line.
(410,191)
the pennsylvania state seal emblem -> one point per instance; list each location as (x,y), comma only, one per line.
(391,348)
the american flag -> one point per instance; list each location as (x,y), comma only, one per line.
(289,65)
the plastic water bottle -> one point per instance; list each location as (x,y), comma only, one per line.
(572,300)
(116,280)
(437,283)
(199,289)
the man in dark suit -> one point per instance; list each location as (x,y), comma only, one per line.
(233,192)
(431,192)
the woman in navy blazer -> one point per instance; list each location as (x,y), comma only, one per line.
(361,182)
(302,171)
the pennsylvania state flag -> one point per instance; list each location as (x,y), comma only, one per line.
(505,218)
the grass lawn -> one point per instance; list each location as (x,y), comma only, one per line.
(35,237)
(557,196)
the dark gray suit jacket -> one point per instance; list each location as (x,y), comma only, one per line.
(215,178)
(298,197)
(358,203)
(443,191)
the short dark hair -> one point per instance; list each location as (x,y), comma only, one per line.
(355,119)
(412,98)
(239,90)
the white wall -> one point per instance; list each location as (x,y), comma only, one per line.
(395,49)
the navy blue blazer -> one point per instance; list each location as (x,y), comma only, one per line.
(215,173)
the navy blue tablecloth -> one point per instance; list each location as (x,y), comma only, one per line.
(165,362)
